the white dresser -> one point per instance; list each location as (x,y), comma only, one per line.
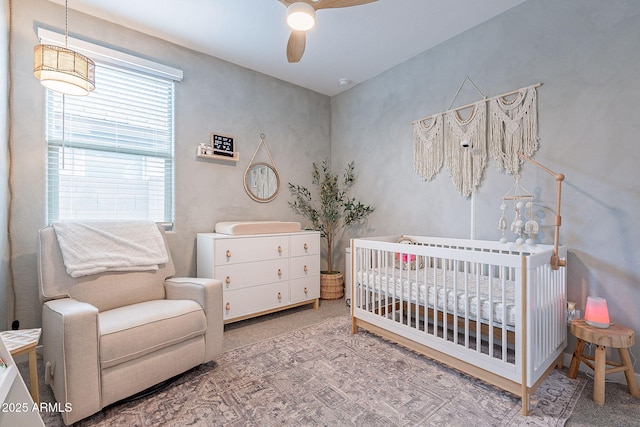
(262,273)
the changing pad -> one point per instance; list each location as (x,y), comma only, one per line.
(257,227)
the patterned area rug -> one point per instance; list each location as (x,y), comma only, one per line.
(323,375)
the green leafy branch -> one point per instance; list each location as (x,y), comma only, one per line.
(333,210)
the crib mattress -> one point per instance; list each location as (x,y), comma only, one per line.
(440,289)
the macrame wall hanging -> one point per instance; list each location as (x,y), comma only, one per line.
(463,145)
(513,127)
(428,146)
(466,147)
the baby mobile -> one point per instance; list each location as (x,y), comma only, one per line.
(526,231)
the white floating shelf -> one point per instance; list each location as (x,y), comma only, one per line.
(202,155)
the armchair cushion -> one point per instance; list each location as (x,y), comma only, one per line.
(135,330)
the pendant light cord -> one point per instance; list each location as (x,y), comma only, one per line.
(64,115)
(66,23)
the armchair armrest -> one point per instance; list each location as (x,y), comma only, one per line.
(70,355)
(207,293)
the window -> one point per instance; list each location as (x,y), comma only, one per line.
(110,154)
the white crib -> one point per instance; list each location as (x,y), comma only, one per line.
(492,310)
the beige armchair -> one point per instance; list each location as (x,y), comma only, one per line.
(111,335)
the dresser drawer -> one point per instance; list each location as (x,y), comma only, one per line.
(305,244)
(250,249)
(305,266)
(305,288)
(236,276)
(243,302)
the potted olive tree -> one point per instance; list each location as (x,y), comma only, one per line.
(329,214)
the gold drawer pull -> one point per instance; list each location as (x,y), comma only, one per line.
(306,291)
(228,280)
(306,246)
(228,253)
(279,272)
(279,295)
(228,306)
(279,249)
(306,269)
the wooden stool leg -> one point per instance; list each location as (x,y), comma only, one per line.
(33,375)
(575,360)
(598,375)
(560,362)
(632,384)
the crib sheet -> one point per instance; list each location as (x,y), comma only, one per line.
(430,283)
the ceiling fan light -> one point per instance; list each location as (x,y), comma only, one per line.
(301,16)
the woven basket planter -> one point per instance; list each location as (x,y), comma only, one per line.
(331,285)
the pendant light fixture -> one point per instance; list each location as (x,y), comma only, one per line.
(62,69)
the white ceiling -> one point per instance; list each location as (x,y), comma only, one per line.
(354,43)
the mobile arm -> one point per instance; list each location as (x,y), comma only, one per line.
(556,262)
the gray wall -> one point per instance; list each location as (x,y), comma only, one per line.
(586,53)
(214,96)
(5,276)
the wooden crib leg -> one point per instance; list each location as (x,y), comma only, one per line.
(525,403)
(354,326)
(560,363)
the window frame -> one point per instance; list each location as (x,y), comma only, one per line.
(110,58)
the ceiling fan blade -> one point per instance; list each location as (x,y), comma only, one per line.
(296,45)
(328,4)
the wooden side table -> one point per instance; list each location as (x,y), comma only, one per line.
(24,341)
(615,336)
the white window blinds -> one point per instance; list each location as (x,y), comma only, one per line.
(110,154)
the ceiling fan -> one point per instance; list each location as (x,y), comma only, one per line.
(301,18)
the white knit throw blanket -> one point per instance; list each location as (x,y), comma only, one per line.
(95,246)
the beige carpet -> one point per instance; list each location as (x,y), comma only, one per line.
(324,375)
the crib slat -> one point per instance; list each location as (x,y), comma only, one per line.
(505,274)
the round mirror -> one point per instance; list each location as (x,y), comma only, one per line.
(262,182)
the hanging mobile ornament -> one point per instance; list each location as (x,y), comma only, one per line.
(519,227)
(518,223)
(502,224)
(531,226)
